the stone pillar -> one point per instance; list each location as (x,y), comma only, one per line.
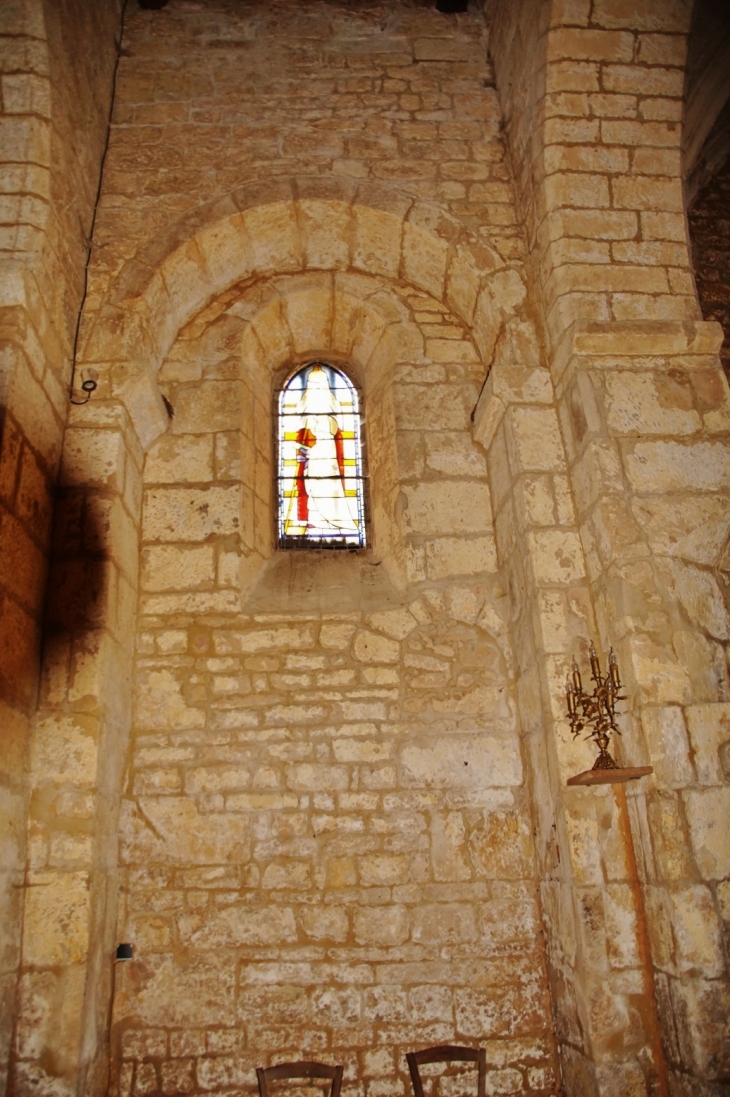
(31,418)
(645,416)
(77,760)
(592,95)
(596,138)
(603,1010)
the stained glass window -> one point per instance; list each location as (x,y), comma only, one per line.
(320,474)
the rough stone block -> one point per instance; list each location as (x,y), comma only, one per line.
(709,729)
(697,932)
(454,506)
(693,528)
(434,407)
(93,458)
(707,814)
(57,917)
(646,404)
(665,466)
(162,704)
(448,557)
(190,514)
(424,259)
(325,923)
(376,243)
(463,762)
(556,556)
(668,746)
(533,440)
(381,926)
(273,236)
(170,830)
(209,407)
(178,567)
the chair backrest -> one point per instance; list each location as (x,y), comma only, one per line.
(301,1069)
(448,1053)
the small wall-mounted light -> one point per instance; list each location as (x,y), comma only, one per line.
(124,952)
(89,382)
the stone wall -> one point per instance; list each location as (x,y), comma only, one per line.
(339,780)
(359,705)
(643,407)
(596,134)
(596,143)
(326,834)
(50,179)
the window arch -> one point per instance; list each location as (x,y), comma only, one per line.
(320,476)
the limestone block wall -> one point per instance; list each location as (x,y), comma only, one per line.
(345,824)
(603,998)
(376,93)
(595,142)
(596,139)
(180,222)
(61,1012)
(645,415)
(326,832)
(56,66)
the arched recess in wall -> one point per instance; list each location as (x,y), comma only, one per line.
(297,227)
(225,364)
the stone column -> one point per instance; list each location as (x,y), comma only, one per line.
(77,759)
(645,416)
(603,1010)
(596,138)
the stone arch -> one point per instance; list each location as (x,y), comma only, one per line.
(358,321)
(355,319)
(302,226)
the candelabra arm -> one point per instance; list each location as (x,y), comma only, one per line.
(597,710)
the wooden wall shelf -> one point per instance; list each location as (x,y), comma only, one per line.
(610,776)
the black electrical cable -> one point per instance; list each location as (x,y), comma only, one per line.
(90,386)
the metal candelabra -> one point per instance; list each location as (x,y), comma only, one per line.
(595,711)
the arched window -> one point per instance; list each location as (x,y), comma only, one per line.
(320,473)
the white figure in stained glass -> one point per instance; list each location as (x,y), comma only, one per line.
(320,476)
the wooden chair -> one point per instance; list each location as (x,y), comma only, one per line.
(448,1053)
(301,1069)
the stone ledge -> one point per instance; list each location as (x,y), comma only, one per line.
(638,338)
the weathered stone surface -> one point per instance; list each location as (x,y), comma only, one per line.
(463,762)
(671,466)
(694,528)
(184,992)
(57,920)
(644,404)
(187,458)
(162,703)
(190,514)
(668,745)
(171,830)
(330,848)
(237,926)
(65,751)
(457,507)
(707,814)
(709,730)
(369,647)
